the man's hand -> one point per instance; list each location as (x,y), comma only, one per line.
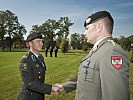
(60,86)
(55,89)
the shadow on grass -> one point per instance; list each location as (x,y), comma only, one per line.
(62,57)
(71,54)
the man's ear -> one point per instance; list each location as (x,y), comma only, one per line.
(30,44)
(27,44)
(99,27)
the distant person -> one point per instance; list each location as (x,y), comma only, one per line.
(56,50)
(104,72)
(33,69)
(51,51)
(46,51)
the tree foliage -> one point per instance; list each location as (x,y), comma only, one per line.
(64,45)
(64,24)
(53,30)
(79,42)
(125,42)
(10,27)
(75,41)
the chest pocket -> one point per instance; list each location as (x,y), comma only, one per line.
(40,67)
(88,69)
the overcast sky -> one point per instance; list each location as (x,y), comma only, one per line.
(32,12)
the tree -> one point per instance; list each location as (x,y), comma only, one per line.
(64,45)
(9,25)
(18,35)
(58,41)
(84,44)
(75,41)
(52,29)
(35,28)
(48,29)
(125,42)
(82,40)
(130,38)
(3,18)
(64,24)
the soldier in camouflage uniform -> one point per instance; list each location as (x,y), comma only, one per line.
(104,73)
(33,68)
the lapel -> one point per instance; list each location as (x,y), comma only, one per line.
(89,55)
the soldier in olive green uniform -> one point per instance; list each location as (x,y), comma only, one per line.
(104,73)
(33,68)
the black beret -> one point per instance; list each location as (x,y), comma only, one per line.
(98,15)
(33,36)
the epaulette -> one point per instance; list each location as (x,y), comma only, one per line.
(112,42)
(25,56)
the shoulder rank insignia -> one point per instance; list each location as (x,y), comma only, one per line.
(116,61)
(112,42)
(24,57)
(24,66)
(33,57)
(95,49)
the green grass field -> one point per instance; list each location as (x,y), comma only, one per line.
(59,70)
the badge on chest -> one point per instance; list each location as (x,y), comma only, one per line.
(39,76)
(33,57)
(86,65)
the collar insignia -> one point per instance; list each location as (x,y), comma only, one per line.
(33,57)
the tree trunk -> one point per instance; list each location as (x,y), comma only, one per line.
(2,43)
(52,40)
(20,43)
(10,43)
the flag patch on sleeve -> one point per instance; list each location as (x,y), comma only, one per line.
(117,61)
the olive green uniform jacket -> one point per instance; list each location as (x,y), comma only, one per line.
(100,77)
(33,75)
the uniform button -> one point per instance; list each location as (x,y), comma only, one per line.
(31,93)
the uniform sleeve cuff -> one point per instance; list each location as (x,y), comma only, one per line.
(49,89)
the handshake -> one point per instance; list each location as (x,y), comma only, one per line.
(56,88)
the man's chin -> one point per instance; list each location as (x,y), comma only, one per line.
(39,49)
(89,41)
